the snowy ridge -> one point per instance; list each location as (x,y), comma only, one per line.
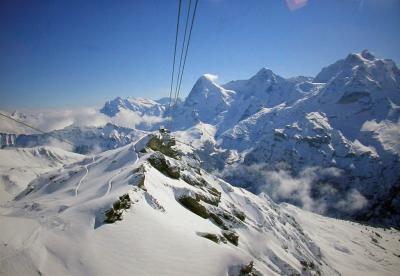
(173,210)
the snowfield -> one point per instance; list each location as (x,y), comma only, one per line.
(176,220)
(18,167)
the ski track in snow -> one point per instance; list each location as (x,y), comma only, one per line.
(110,183)
(120,171)
(83,177)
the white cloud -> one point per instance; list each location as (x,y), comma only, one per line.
(386,132)
(59,119)
(211,77)
(314,188)
(352,201)
(54,119)
(131,119)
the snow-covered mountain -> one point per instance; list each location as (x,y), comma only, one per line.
(143,113)
(349,124)
(264,89)
(328,144)
(267,175)
(207,102)
(84,139)
(342,127)
(141,105)
(144,208)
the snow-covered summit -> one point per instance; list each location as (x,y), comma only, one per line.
(361,64)
(141,105)
(265,74)
(362,88)
(206,89)
(207,100)
(367,55)
(261,81)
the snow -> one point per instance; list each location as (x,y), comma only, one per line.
(197,135)
(349,123)
(83,139)
(52,229)
(350,246)
(19,166)
(387,133)
(206,102)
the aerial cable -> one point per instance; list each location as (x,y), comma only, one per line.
(187,48)
(173,64)
(183,48)
(36,129)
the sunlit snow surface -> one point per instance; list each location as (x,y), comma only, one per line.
(56,228)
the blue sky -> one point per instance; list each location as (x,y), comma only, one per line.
(82,53)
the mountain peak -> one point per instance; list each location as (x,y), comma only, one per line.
(264,72)
(208,98)
(204,84)
(367,55)
(345,65)
(359,58)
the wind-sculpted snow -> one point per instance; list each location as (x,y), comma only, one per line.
(148,223)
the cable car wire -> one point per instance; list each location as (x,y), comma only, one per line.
(36,129)
(183,48)
(187,49)
(174,59)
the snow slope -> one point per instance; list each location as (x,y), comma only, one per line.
(57,225)
(360,250)
(19,166)
(84,139)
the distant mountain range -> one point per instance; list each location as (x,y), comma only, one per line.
(329,143)
(343,125)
